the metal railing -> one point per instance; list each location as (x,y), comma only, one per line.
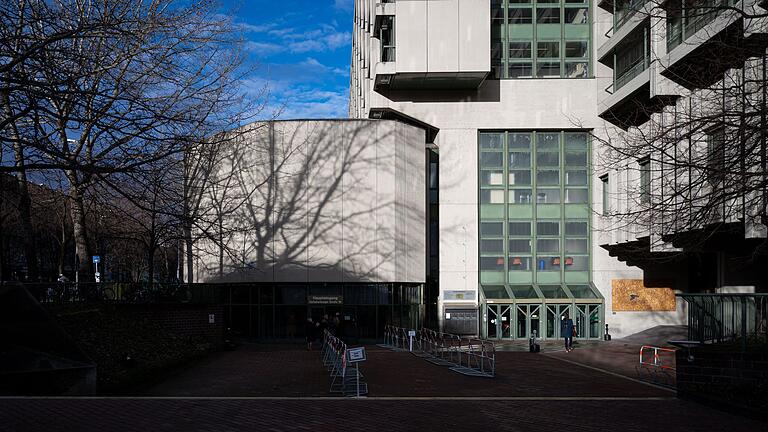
(343,379)
(621,16)
(727,318)
(123,292)
(657,365)
(632,71)
(468,356)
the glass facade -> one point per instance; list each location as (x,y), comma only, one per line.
(534,196)
(266,311)
(540,39)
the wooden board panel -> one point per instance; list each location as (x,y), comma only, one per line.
(631,295)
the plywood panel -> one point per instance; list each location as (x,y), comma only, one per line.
(631,295)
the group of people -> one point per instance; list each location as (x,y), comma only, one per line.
(314,329)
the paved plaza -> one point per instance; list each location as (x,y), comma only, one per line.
(281,387)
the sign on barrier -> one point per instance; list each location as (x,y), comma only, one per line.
(355,355)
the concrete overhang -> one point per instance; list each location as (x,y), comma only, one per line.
(606,5)
(391,114)
(431,80)
(634,103)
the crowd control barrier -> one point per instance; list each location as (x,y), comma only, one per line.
(657,365)
(344,379)
(467,356)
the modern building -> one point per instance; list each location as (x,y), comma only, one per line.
(318,217)
(689,101)
(524,103)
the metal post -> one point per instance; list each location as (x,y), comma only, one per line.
(357,372)
(743,324)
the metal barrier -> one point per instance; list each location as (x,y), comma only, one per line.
(344,380)
(727,318)
(657,365)
(467,356)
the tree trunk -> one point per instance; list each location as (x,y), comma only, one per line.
(63,247)
(221,245)
(151,265)
(25,202)
(80,236)
(188,250)
(25,214)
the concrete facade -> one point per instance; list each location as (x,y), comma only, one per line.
(460,113)
(320,201)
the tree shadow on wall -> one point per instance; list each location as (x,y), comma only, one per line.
(318,201)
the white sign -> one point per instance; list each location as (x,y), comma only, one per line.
(355,355)
(447,315)
(411,333)
(97,275)
(211,318)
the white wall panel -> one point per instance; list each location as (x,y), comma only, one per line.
(411,36)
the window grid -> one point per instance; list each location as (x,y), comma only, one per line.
(533,243)
(541,39)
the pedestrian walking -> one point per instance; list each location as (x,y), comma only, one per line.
(310,332)
(568,331)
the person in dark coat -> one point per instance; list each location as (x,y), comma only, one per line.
(567,332)
(310,332)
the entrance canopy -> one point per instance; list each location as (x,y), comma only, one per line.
(584,292)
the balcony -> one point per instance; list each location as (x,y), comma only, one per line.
(710,31)
(629,100)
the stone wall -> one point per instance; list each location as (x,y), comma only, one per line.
(724,377)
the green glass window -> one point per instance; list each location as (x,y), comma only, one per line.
(541,39)
(537,185)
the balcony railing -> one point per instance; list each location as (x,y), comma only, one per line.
(693,19)
(624,11)
(727,318)
(634,70)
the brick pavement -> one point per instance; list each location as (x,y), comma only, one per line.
(407,393)
(334,415)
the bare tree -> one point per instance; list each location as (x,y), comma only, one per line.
(100,88)
(697,167)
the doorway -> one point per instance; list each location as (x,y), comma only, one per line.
(499,322)
(555,315)
(528,321)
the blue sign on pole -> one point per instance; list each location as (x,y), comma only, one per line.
(96,259)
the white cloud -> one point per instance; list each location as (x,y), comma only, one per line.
(263,48)
(345,5)
(295,90)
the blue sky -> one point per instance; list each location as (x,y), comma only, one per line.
(302,50)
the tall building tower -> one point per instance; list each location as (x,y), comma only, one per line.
(526,104)
(508,91)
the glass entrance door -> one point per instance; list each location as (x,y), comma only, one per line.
(555,315)
(492,322)
(528,321)
(505,322)
(498,323)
